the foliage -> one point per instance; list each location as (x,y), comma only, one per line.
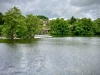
(59,27)
(83,26)
(32,23)
(13,19)
(1,19)
(42,17)
(20,30)
(16,25)
(1,26)
(97,26)
(72,20)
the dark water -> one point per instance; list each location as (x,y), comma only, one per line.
(51,56)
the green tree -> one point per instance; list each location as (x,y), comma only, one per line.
(77,28)
(21,29)
(1,19)
(1,23)
(59,27)
(1,26)
(97,26)
(87,26)
(42,17)
(83,26)
(72,20)
(32,24)
(13,19)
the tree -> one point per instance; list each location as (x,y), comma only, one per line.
(72,20)
(59,27)
(97,26)
(1,23)
(1,26)
(87,26)
(1,19)
(32,24)
(42,17)
(21,29)
(13,19)
(84,26)
(78,28)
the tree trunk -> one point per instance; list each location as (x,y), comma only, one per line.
(12,35)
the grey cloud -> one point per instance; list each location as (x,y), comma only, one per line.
(84,2)
(55,8)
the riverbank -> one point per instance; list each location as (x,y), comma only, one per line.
(42,36)
(36,36)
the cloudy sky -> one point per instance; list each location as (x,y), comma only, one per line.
(55,8)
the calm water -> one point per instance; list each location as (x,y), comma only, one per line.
(51,56)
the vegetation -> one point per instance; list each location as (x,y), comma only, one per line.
(84,26)
(1,30)
(96,26)
(14,25)
(42,17)
(18,26)
(1,23)
(32,24)
(13,20)
(1,20)
(59,27)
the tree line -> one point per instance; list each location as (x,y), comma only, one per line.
(74,26)
(14,24)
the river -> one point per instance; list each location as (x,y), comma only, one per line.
(51,56)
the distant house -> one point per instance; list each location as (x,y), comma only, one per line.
(45,27)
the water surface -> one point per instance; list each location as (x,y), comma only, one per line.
(51,56)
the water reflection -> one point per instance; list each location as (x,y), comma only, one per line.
(20,41)
(51,56)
